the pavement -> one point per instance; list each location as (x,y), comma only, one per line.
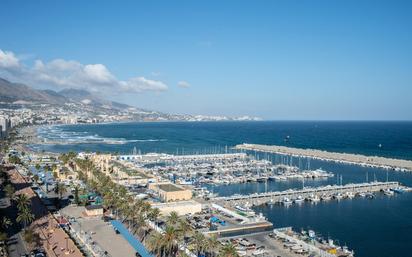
(273,247)
(99,231)
(54,239)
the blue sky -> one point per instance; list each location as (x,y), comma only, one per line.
(272,59)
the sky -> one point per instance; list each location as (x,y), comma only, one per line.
(278,60)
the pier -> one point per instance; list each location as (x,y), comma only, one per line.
(370,161)
(272,197)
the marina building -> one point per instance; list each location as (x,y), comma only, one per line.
(181,207)
(169,192)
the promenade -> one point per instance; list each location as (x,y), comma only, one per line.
(54,239)
(370,161)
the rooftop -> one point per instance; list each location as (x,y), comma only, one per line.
(169,188)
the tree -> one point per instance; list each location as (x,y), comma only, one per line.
(212,245)
(228,250)
(76,195)
(3,236)
(171,238)
(6,222)
(22,201)
(9,189)
(31,238)
(37,166)
(155,243)
(14,159)
(199,241)
(36,178)
(25,216)
(60,189)
(173,218)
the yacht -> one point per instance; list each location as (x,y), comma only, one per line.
(286,201)
(325,197)
(388,192)
(299,199)
(314,198)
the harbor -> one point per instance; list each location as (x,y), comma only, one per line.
(313,194)
(368,161)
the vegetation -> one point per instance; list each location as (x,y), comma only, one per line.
(9,189)
(14,159)
(60,189)
(24,215)
(137,213)
(32,239)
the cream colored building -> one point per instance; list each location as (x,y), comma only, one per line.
(181,207)
(169,192)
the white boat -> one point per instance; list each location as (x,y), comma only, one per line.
(314,198)
(286,201)
(326,197)
(338,196)
(388,192)
(299,199)
(349,195)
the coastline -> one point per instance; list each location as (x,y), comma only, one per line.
(369,161)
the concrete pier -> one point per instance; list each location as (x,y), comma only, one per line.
(372,161)
(272,197)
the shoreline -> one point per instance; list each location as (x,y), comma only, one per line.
(357,159)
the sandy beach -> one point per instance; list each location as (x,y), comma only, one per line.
(371,161)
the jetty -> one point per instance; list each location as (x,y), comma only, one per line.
(277,196)
(369,161)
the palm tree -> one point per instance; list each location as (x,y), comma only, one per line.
(228,250)
(3,236)
(155,243)
(22,201)
(60,189)
(212,245)
(31,238)
(173,218)
(25,216)
(171,237)
(9,189)
(5,223)
(199,242)
(185,227)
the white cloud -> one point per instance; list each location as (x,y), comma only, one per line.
(60,73)
(8,60)
(183,84)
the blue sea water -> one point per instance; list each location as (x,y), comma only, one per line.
(378,227)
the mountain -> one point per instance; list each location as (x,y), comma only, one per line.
(85,97)
(12,92)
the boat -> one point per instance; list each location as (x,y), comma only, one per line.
(388,192)
(349,195)
(299,199)
(338,196)
(326,197)
(286,201)
(314,198)
(398,190)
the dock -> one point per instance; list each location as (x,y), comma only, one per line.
(277,196)
(369,161)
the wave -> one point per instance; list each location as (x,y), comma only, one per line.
(57,135)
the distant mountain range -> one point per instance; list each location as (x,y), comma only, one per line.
(15,92)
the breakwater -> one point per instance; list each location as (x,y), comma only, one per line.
(369,161)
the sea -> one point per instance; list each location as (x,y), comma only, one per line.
(379,227)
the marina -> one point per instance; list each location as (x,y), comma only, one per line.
(368,161)
(311,194)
